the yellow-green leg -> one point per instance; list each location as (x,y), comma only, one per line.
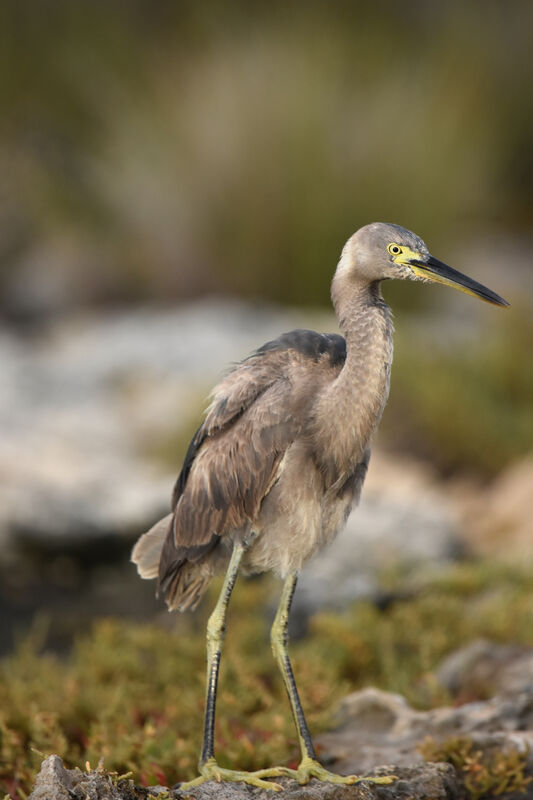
(309,766)
(216,628)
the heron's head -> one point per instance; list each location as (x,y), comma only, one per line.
(381,250)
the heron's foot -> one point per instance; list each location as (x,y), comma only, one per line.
(211,771)
(311,768)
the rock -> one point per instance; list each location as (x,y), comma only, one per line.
(498,518)
(380,727)
(485,667)
(425,782)
(54,782)
(82,404)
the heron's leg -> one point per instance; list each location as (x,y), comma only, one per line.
(279,637)
(309,766)
(216,628)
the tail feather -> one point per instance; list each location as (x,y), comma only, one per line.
(183,573)
(147,552)
(187,586)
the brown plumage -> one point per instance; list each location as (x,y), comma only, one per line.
(256,415)
(280,459)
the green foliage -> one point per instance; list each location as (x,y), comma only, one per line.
(162,153)
(133,695)
(484,774)
(466,408)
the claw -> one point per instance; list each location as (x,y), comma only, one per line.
(310,768)
(382,780)
(212,771)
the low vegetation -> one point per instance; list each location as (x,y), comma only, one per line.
(133,694)
(484,775)
(164,155)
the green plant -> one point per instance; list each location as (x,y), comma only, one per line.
(133,694)
(484,774)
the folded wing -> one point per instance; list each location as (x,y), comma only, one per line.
(231,463)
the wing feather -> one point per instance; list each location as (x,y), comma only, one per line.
(233,458)
(233,468)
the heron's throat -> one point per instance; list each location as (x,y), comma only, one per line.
(352,406)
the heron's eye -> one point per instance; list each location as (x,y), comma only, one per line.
(394,249)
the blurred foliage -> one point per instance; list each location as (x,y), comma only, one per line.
(134,694)
(159,150)
(465,408)
(484,774)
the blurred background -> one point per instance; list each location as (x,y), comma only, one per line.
(177,182)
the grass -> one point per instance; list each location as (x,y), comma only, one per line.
(133,694)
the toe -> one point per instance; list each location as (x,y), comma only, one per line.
(352,778)
(381,780)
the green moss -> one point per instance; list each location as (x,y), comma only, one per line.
(133,694)
(484,774)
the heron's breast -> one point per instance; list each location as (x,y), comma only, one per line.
(301,514)
(289,523)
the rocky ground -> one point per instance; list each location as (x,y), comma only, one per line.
(489,743)
(436,781)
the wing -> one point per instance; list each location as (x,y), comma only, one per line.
(233,458)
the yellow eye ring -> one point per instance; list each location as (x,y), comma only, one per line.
(394,249)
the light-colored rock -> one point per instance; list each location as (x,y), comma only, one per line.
(498,519)
(82,404)
(377,727)
(488,667)
(54,782)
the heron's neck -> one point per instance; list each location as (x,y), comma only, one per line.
(366,323)
(355,401)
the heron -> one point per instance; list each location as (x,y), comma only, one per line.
(279,461)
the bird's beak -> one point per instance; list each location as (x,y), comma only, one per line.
(434,270)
